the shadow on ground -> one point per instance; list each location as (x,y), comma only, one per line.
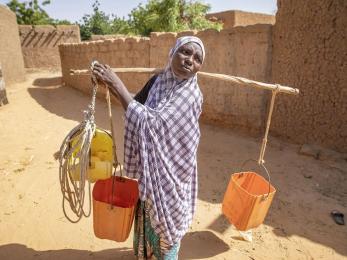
(201,244)
(47,82)
(70,103)
(20,252)
(195,245)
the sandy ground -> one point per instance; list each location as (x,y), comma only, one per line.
(32,225)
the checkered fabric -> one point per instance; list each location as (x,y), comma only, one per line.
(160,149)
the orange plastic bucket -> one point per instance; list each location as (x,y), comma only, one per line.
(247,200)
(114,202)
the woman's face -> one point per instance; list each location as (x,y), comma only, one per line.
(187,60)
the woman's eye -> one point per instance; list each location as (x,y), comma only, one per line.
(198,59)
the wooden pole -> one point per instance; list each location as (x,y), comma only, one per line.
(223,77)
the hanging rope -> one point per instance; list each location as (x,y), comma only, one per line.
(261,161)
(74,157)
(116,164)
(268,122)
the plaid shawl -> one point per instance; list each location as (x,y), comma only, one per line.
(160,149)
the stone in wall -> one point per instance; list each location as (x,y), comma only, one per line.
(10,51)
(310,53)
(40,43)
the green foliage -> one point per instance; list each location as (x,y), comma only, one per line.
(155,16)
(171,16)
(31,12)
(97,23)
(60,22)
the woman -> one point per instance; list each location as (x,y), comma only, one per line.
(161,139)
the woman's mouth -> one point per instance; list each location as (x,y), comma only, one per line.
(186,68)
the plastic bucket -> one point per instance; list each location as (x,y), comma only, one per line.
(247,200)
(114,202)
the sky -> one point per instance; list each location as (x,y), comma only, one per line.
(73,10)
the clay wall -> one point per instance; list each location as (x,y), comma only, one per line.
(241,51)
(11,58)
(310,53)
(97,37)
(40,43)
(120,52)
(234,18)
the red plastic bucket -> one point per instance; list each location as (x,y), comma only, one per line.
(114,202)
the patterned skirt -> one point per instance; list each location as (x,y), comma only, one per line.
(147,244)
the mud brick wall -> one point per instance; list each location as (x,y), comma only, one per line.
(120,52)
(11,58)
(310,53)
(234,18)
(40,43)
(241,51)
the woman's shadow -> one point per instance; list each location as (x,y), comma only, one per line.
(21,252)
(195,245)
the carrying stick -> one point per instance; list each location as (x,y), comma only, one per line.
(223,77)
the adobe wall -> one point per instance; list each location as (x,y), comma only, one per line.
(40,43)
(97,37)
(120,52)
(11,58)
(310,53)
(234,18)
(241,51)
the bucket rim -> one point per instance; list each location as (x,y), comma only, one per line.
(245,172)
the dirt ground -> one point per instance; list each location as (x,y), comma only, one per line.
(32,224)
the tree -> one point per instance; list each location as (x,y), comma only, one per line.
(156,15)
(171,16)
(32,13)
(96,23)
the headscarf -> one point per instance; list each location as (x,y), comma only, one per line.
(160,149)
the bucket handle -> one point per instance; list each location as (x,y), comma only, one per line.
(267,173)
(263,145)
(116,163)
(113,181)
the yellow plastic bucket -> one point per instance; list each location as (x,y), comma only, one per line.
(101,157)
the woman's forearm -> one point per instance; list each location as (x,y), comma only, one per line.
(118,89)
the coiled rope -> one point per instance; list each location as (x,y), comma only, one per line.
(74,157)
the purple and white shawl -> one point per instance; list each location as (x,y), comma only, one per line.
(160,149)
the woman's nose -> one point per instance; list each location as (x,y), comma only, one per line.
(189,60)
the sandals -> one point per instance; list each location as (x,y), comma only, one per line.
(338,217)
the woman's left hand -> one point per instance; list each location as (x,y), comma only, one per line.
(104,74)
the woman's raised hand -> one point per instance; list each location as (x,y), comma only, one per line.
(104,74)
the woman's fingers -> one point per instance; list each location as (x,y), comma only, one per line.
(98,68)
(103,73)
